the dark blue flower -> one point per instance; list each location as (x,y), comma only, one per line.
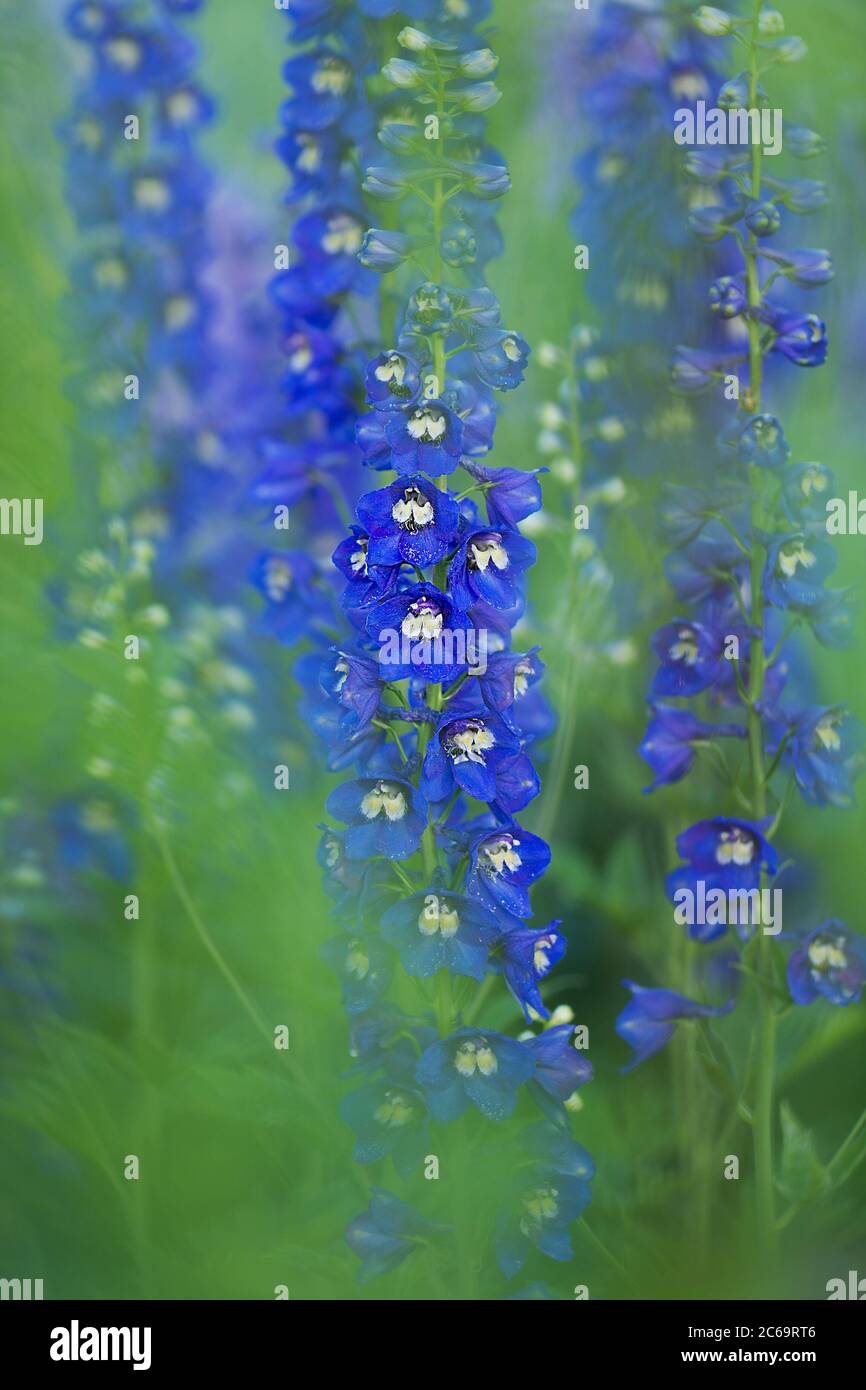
(511,494)
(802,338)
(830,963)
(509,678)
(363,967)
(502,865)
(671,741)
(426,437)
(481,754)
(439,930)
(409,520)
(797,566)
(393,381)
(690,655)
(388,1119)
(500,359)
(419,632)
(728,296)
(543,1210)
(762,441)
(560,1069)
(647,1023)
(823,748)
(722,854)
(476,1067)
(489,566)
(353,681)
(384,816)
(526,956)
(384,1234)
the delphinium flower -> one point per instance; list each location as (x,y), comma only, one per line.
(429,865)
(309,460)
(751,568)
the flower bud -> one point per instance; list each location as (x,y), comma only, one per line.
(791,50)
(771,21)
(713,22)
(481,62)
(401,73)
(414,39)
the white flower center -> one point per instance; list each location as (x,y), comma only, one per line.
(475,1055)
(395,1111)
(152,194)
(412,511)
(123,53)
(343,236)
(469,743)
(384,796)
(277,579)
(502,854)
(735,847)
(422,621)
(793,555)
(332,76)
(393,369)
(427,425)
(437,916)
(685,648)
(488,550)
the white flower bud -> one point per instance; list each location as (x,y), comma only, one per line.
(713,22)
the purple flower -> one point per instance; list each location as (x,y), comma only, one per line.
(384,816)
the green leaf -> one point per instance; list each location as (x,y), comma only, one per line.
(802,1175)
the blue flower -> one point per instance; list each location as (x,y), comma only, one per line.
(723,854)
(762,441)
(477,1067)
(363,967)
(560,1068)
(528,954)
(426,437)
(489,566)
(384,816)
(285,578)
(671,740)
(830,963)
(647,1023)
(544,1208)
(802,338)
(823,748)
(762,218)
(500,359)
(353,681)
(481,754)
(502,865)
(691,657)
(805,493)
(388,1119)
(419,632)
(411,521)
(797,566)
(384,1234)
(511,494)
(440,930)
(393,381)
(508,679)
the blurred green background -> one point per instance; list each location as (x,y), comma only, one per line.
(124,1037)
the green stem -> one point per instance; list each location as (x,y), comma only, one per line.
(766,1060)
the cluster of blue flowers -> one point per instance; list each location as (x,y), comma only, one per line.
(165,369)
(426,700)
(750,565)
